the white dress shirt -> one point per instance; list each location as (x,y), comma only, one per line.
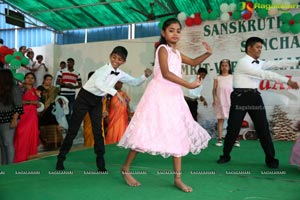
(196,92)
(248,74)
(103,82)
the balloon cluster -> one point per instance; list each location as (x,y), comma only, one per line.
(247,9)
(290,23)
(15,61)
(4,50)
(193,20)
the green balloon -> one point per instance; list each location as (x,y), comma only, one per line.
(285,28)
(15,64)
(262,13)
(18,53)
(297,18)
(213,15)
(241,6)
(204,16)
(236,15)
(24,60)
(286,17)
(295,28)
(19,76)
(160,24)
(8,58)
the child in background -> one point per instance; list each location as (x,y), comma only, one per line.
(221,97)
(295,154)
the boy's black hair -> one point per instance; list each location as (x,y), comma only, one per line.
(202,70)
(1,41)
(121,51)
(252,41)
(39,56)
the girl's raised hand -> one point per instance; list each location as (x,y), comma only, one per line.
(207,47)
(196,83)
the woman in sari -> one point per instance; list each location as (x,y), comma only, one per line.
(117,116)
(26,139)
(50,132)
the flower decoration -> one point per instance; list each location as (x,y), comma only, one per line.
(290,23)
(15,61)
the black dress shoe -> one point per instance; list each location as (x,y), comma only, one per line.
(273,164)
(60,165)
(223,159)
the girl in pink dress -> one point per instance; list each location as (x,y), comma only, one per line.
(27,133)
(295,154)
(222,89)
(162,123)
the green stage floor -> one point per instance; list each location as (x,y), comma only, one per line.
(245,177)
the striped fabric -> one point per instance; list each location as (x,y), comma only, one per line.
(69,78)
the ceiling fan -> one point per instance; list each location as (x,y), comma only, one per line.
(151,16)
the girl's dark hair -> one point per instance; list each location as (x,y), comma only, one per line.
(30,73)
(39,56)
(6,87)
(227,61)
(166,24)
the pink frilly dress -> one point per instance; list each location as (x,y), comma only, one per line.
(224,89)
(162,123)
(295,154)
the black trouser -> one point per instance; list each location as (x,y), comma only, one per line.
(85,102)
(193,105)
(243,101)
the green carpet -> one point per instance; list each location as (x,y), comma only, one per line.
(244,177)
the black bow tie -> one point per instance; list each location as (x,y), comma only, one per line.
(115,73)
(255,61)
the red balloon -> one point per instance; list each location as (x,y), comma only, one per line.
(197,21)
(4,50)
(247,15)
(189,21)
(197,15)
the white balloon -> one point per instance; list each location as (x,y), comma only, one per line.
(192,16)
(181,16)
(232,7)
(225,17)
(224,7)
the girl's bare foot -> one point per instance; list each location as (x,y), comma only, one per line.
(180,185)
(129,178)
